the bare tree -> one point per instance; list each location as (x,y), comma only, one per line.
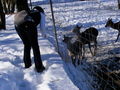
(22,5)
(4,5)
(2,17)
(8,6)
(11,5)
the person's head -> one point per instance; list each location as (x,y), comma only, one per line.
(40,9)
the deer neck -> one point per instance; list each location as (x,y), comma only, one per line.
(68,43)
(112,25)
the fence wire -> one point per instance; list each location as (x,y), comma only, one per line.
(102,71)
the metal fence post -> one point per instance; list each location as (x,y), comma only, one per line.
(30,4)
(57,46)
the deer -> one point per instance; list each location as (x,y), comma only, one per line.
(87,37)
(113,25)
(73,49)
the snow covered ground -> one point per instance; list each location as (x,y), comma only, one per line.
(59,74)
(13,76)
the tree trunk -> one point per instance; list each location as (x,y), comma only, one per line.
(22,5)
(2,17)
(11,6)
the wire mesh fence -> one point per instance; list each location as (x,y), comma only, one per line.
(102,71)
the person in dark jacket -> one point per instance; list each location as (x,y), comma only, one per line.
(26,27)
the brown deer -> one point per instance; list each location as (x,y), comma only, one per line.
(87,37)
(73,49)
(113,25)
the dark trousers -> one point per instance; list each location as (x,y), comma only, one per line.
(28,34)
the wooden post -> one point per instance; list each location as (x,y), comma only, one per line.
(57,46)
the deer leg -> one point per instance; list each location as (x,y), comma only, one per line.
(73,60)
(90,49)
(79,54)
(83,52)
(118,36)
(78,58)
(95,47)
(80,51)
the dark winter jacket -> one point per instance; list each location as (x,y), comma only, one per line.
(23,16)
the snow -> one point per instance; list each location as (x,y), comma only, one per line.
(60,74)
(13,76)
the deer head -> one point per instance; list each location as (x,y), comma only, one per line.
(109,22)
(76,29)
(66,39)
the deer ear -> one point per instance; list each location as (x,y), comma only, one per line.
(77,26)
(109,18)
(80,26)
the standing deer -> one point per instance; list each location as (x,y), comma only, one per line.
(87,37)
(113,25)
(73,49)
